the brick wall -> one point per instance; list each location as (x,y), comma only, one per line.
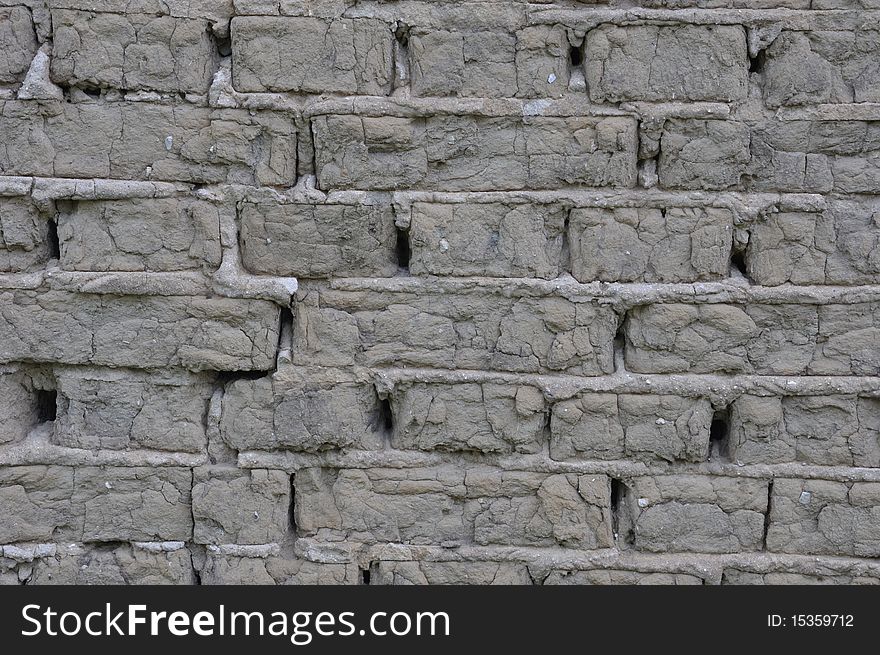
(342,291)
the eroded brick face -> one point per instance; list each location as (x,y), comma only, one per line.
(497,292)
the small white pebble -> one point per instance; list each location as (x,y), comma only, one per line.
(660,421)
(551,79)
(444,245)
(169,142)
(108,485)
(805,498)
(643,502)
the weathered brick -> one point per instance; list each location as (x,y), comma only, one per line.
(789,247)
(318,241)
(733,576)
(36,501)
(129,410)
(450,504)
(95,504)
(696,513)
(132,51)
(477,330)
(481,64)
(134,504)
(836,246)
(805,68)
(845,4)
(230,506)
(467,153)
(18,42)
(852,227)
(530,63)
(468,417)
(542,61)
(138,332)
(486,239)
(666,63)
(471,249)
(703,154)
(215,10)
(167,234)
(820,517)
(19,410)
(144,141)
(619,577)
(764,339)
(816,156)
(273,570)
(24,232)
(114,565)
(825,430)
(312,55)
(770,155)
(736,4)
(446,573)
(650,245)
(301,410)
(609,426)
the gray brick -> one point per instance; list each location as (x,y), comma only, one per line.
(145,141)
(147,332)
(486,239)
(318,241)
(132,51)
(666,63)
(312,55)
(650,245)
(168,234)
(454,505)
(477,331)
(18,42)
(465,153)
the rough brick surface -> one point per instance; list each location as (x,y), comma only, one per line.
(493,240)
(466,153)
(458,505)
(705,515)
(139,235)
(106,409)
(151,332)
(18,42)
(482,331)
(650,245)
(311,55)
(491,292)
(606,426)
(23,236)
(806,68)
(132,51)
(318,241)
(144,141)
(666,63)
(763,339)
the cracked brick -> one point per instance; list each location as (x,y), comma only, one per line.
(465,153)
